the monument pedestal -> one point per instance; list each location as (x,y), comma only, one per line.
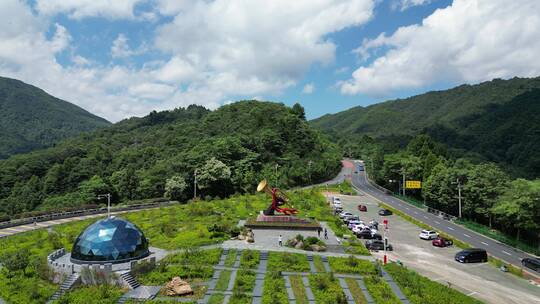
(282,222)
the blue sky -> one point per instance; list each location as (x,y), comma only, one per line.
(126,58)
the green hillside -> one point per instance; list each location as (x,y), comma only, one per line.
(232,148)
(494,121)
(32,119)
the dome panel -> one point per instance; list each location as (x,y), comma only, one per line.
(111,240)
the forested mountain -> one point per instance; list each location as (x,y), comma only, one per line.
(496,121)
(232,149)
(31,119)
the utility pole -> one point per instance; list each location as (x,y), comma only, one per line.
(195,185)
(309,170)
(458,182)
(108,196)
(403,172)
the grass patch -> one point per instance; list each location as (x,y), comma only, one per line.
(411,201)
(356,292)
(286,261)
(420,290)
(319,265)
(231,258)
(249,259)
(274,291)
(223,280)
(511,268)
(245,281)
(92,295)
(342,188)
(326,289)
(191,265)
(298,289)
(380,291)
(351,265)
(216,299)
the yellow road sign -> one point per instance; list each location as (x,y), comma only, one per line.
(413,184)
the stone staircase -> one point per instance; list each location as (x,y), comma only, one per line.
(68,283)
(130,280)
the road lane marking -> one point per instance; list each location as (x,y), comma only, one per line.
(407,208)
(438,223)
(506,252)
(466,235)
(425,217)
(472,293)
(450,228)
(485,243)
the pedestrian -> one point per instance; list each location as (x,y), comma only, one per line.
(319,232)
(325,234)
(280,241)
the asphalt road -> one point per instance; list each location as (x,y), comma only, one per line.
(501,251)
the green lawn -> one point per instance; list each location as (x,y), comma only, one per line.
(91,295)
(298,289)
(231,258)
(223,280)
(326,289)
(351,265)
(274,291)
(317,261)
(285,261)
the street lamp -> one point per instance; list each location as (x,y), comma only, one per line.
(395,181)
(459,186)
(309,170)
(195,185)
(108,196)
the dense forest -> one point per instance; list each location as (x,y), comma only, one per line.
(495,121)
(31,119)
(232,148)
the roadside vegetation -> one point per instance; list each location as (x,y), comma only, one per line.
(420,290)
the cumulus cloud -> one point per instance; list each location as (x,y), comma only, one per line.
(78,9)
(308,88)
(469,41)
(405,4)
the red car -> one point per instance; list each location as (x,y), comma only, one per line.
(362,208)
(441,242)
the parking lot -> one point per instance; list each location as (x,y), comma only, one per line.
(482,281)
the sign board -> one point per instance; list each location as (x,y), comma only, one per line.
(413,184)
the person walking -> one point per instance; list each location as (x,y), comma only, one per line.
(325,234)
(280,241)
(319,232)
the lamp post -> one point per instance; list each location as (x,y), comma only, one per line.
(395,181)
(108,196)
(195,185)
(309,170)
(459,186)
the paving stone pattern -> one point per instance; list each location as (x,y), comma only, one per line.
(363,287)
(259,278)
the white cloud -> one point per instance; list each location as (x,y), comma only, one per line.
(405,4)
(469,41)
(78,9)
(213,51)
(308,88)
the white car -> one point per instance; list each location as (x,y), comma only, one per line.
(428,235)
(336,201)
(354,222)
(342,215)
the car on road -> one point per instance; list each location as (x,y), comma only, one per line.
(472,255)
(362,208)
(531,263)
(348,219)
(344,214)
(385,212)
(428,235)
(442,242)
(377,245)
(353,223)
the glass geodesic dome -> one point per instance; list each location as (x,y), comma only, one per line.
(111,240)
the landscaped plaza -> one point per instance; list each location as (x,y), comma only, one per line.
(202,244)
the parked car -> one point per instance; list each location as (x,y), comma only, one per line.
(336,200)
(348,219)
(428,235)
(384,212)
(374,224)
(362,208)
(365,233)
(342,215)
(472,255)
(377,245)
(353,223)
(441,242)
(358,227)
(531,263)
